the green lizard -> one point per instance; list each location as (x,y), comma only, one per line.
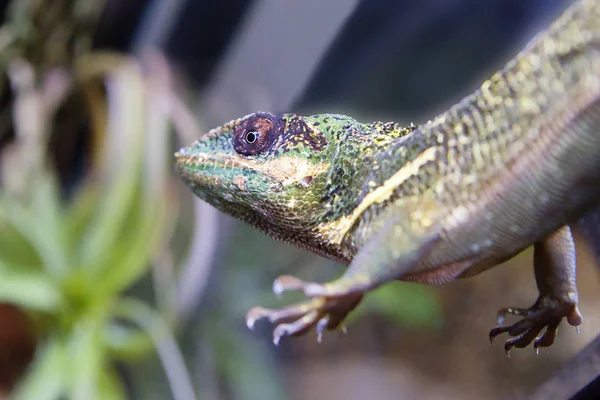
(509,166)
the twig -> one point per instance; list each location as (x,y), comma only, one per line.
(574,376)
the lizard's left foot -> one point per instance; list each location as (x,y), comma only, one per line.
(324,311)
(547,312)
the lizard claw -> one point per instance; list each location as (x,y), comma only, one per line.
(319,312)
(254,314)
(547,313)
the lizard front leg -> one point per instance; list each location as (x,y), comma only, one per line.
(554,266)
(392,252)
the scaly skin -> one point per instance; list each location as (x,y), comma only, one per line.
(509,166)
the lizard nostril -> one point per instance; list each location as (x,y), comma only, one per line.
(306,180)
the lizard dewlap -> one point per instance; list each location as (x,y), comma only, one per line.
(511,165)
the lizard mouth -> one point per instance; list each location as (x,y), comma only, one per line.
(286,169)
(187,161)
(199,169)
(184,159)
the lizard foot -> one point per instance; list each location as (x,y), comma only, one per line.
(547,312)
(321,312)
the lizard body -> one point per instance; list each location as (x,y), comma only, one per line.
(511,165)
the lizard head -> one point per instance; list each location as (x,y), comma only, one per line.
(285,175)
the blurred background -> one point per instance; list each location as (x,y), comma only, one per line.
(116,283)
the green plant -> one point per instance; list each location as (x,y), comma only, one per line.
(67,263)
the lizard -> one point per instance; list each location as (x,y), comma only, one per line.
(511,165)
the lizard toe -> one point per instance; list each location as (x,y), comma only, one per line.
(282,315)
(286,283)
(523,339)
(547,338)
(296,328)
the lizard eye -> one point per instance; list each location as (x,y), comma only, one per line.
(254,135)
(251,136)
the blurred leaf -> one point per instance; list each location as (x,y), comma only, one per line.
(29,289)
(80,213)
(131,259)
(105,228)
(110,387)
(16,251)
(86,360)
(48,212)
(122,163)
(407,304)
(126,342)
(36,232)
(47,378)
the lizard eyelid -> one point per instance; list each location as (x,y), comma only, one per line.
(254,135)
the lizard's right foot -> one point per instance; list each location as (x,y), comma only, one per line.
(322,312)
(547,313)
